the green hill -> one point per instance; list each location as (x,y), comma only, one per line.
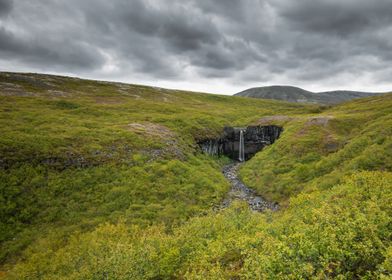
(105,180)
(295,94)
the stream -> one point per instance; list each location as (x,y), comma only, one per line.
(240,191)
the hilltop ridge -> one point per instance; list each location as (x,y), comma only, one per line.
(296,94)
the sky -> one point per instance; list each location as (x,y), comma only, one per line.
(218,46)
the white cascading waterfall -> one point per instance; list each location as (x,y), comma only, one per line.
(241,156)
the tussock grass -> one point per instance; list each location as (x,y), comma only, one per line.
(105,180)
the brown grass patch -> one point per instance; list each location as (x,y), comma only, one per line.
(277,119)
(150,129)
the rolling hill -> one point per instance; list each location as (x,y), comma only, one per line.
(295,94)
(102,180)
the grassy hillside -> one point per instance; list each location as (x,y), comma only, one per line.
(105,181)
(75,153)
(317,151)
(295,94)
(320,236)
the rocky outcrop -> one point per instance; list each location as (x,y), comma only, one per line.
(228,144)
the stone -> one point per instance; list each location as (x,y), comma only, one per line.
(255,139)
(241,192)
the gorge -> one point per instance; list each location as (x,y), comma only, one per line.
(239,143)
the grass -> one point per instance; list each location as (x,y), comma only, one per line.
(105,180)
(76,153)
(318,236)
(317,151)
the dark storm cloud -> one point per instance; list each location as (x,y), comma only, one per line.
(343,18)
(180,28)
(55,54)
(234,41)
(5,7)
(233,10)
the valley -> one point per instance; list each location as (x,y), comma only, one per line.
(104,180)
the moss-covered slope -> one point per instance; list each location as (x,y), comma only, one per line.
(75,153)
(105,180)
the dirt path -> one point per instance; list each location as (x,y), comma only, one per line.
(240,191)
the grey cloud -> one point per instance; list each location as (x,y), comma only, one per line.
(238,42)
(181,28)
(335,17)
(5,7)
(215,59)
(58,55)
(232,9)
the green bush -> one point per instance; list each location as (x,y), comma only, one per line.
(343,232)
(106,181)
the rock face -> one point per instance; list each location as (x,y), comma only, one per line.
(255,139)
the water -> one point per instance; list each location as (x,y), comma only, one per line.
(241,156)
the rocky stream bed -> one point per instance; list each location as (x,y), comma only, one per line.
(240,191)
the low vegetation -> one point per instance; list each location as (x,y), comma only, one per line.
(317,151)
(105,181)
(319,235)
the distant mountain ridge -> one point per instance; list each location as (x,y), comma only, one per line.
(296,94)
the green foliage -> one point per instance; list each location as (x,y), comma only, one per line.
(62,104)
(76,153)
(343,232)
(105,181)
(164,192)
(317,151)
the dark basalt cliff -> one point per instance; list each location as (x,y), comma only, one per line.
(255,138)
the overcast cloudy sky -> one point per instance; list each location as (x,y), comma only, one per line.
(221,46)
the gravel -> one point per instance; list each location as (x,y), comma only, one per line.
(240,191)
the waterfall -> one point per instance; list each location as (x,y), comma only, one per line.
(231,142)
(241,156)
